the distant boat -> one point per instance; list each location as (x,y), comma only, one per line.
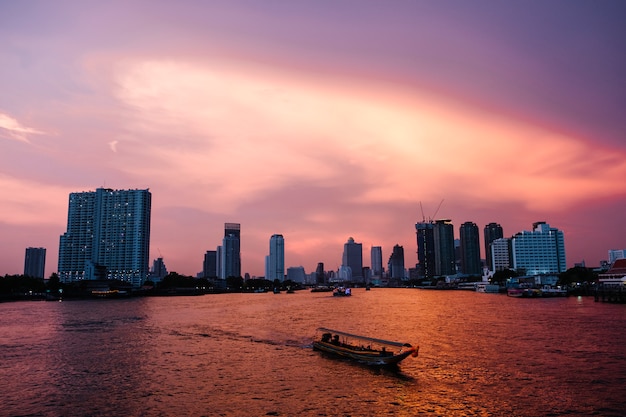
(342,292)
(321,289)
(488,288)
(363,349)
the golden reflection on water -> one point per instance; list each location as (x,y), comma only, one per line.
(250,354)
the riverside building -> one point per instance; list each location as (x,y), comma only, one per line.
(107,237)
(540,251)
(275,262)
(35,262)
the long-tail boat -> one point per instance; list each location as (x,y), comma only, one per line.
(363,349)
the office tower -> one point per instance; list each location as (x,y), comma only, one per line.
(500,255)
(616,254)
(320,277)
(353,258)
(276,259)
(425,249)
(35,262)
(541,251)
(396,263)
(158,270)
(443,235)
(107,237)
(376,258)
(470,249)
(231,251)
(492,231)
(209,265)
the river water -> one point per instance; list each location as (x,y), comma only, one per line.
(250,355)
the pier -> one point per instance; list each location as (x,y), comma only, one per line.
(610,294)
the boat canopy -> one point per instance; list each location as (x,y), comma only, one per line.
(370,339)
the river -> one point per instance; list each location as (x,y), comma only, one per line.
(250,355)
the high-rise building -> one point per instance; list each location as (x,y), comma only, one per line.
(376,258)
(35,262)
(541,251)
(500,254)
(231,251)
(396,263)
(107,237)
(353,258)
(296,274)
(209,265)
(470,249)
(276,259)
(320,276)
(443,236)
(492,231)
(425,249)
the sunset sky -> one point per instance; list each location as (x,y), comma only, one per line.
(319,120)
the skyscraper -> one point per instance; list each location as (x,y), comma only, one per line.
(231,251)
(276,259)
(35,262)
(353,258)
(107,237)
(541,251)
(376,258)
(492,231)
(443,234)
(470,249)
(209,265)
(320,276)
(425,249)
(396,263)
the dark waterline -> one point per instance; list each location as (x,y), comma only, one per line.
(250,354)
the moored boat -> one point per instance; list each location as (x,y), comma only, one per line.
(363,349)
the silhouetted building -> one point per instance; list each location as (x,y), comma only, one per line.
(443,234)
(320,276)
(353,258)
(425,249)
(158,271)
(209,265)
(541,251)
(396,263)
(492,231)
(470,249)
(35,262)
(276,259)
(231,251)
(107,237)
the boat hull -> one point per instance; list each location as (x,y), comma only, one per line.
(365,356)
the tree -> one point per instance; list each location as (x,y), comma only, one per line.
(577,274)
(500,277)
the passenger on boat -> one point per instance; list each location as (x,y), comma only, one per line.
(335,340)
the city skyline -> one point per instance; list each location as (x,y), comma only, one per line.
(315,120)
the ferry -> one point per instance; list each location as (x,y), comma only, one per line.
(363,349)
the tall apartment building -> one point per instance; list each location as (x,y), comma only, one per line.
(107,237)
(231,251)
(470,249)
(492,231)
(396,263)
(376,258)
(541,251)
(35,262)
(425,249)
(276,259)
(209,264)
(158,270)
(443,235)
(353,258)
